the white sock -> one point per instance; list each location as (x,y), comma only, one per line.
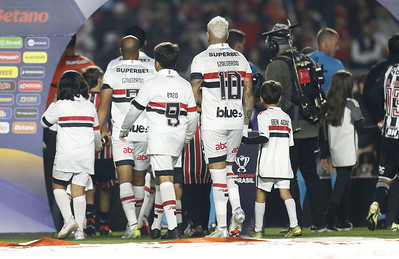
(259,214)
(168,197)
(146,201)
(158,209)
(79,209)
(232,187)
(128,202)
(291,210)
(220,195)
(64,203)
(179,215)
(139,195)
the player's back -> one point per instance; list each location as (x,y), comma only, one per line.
(169,99)
(223,71)
(391,91)
(125,78)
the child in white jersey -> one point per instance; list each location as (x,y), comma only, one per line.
(78,137)
(274,165)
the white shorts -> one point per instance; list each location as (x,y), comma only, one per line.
(82,179)
(221,145)
(267,184)
(130,153)
(163,164)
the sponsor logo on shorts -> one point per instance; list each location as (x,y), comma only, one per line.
(37,42)
(35,57)
(10,42)
(30,86)
(5,113)
(391,132)
(142,157)
(28,99)
(220,146)
(26,113)
(10,57)
(32,72)
(7,86)
(8,72)
(6,99)
(24,127)
(128,150)
(4,127)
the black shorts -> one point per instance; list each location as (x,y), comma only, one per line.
(389,158)
(178,175)
(104,173)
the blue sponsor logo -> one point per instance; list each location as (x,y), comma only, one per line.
(32,72)
(6,99)
(37,42)
(5,113)
(28,99)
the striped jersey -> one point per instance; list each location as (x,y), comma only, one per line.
(274,156)
(222,70)
(195,170)
(391,104)
(76,122)
(106,152)
(125,79)
(143,58)
(168,98)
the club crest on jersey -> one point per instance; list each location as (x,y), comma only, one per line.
(227,113)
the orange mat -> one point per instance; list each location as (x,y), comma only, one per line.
(212,240)
(41,242)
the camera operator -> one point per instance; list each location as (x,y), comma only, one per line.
(299,103)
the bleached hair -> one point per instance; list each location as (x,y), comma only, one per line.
(218,27)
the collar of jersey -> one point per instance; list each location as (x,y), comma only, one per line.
(130,61)
(167,71)
(219,46)
(79,98)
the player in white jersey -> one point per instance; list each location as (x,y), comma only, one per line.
(389,147)
(274,164)
(149,196)
(77,138)
(227,102)
(171,118)
(122,82)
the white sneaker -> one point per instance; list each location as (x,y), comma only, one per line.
(372,217)
(395,227)
(236,221)
(79,235)
(219,232)
(69,226)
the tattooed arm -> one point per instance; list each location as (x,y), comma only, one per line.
(196,85)
(248,100)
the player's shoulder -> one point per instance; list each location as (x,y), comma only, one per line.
(352,103)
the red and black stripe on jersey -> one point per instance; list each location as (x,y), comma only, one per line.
(195,170)
(279,131)
(77,121)
(106,152)
(391,90)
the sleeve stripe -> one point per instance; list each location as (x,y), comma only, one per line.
(106,86)
(96,127)
(137,105)
(196,76)
(192,109)
(46,122)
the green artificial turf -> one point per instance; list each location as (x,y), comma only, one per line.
(270,233)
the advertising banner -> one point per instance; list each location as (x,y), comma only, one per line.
(33,36)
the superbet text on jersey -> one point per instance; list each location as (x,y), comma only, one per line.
(391,104)
(223,71)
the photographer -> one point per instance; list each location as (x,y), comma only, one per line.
(299,103)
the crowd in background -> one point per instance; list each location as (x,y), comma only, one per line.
(364,27)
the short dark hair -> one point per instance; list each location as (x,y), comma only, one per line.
(91,75)
(167,54)
(235,36)
(324,34)
(137,32)
(393,44)
(270,91)
(70,85)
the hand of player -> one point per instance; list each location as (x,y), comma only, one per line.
(380,125)
(324,164)
(186,143)
(123,135)
(245,131)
